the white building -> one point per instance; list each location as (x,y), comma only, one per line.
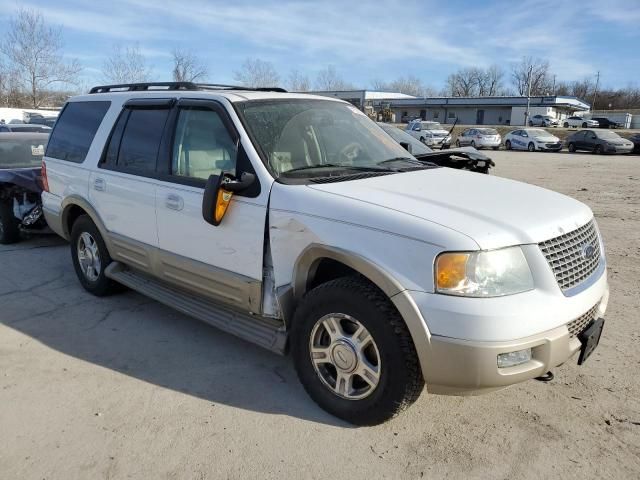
(508,110)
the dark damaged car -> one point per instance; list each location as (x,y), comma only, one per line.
(20,184)
(465,158)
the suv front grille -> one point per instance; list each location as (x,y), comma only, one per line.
(567,257)
(577,326)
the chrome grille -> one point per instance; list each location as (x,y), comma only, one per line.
(565,255)
(577,326)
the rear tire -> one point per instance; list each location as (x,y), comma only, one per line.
(507,145)
(90,257)
(458,143)
(572,147)
(393,357)
(9,225)
(496,148)
(566,124)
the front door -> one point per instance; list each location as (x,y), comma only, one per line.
(224,261)
(480,117)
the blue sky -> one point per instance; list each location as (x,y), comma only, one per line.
(363,39)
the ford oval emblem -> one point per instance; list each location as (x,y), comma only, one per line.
(588,251)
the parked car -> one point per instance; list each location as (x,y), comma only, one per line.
(532,139)
(24,127)
(295,222)
(636,142)
(37,119)
(479,138)
(604,122)
(20,163)
(598,142)
(580,122)
(543,121)
(429,133)
(466,158)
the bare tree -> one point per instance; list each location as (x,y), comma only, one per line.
(329,79)
(33,51)
(540,76)
(493,78)
(298,82)
(187,67)
(126,65)
(463,83)
(256,73)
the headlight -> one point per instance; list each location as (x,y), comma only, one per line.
(490,273)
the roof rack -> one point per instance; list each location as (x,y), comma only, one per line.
(161,86)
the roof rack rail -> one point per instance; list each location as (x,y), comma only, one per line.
(154,86)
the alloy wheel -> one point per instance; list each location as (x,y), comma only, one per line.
(89,257)
(345,356)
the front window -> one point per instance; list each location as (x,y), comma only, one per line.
(297,137)
(431,126)
(611,136)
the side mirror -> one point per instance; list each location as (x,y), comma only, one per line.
(406,146)
(218,193)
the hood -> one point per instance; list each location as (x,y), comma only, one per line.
(493,211)
(546,138)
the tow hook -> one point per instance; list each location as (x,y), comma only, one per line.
(547,377)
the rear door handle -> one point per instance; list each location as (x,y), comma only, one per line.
(174,202)
(99,184)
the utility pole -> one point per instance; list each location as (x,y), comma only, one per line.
(595,92)
(526,115)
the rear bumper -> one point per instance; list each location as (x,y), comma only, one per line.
(52,210)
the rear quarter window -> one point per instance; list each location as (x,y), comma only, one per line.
(75,129)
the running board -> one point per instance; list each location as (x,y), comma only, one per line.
(264,332)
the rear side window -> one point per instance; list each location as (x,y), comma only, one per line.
(75,129)
(141,140)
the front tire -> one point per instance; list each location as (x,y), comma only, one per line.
(353,352)
(598,150)
(584,124)
(458,143)
(566,124)
(507,145)
(9,225)
(531,147)
(90,257)
(473,144)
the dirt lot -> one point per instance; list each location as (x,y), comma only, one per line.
(123,387)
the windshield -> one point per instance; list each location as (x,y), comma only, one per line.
(296,135)
(431,126)
(22,152)
(487,131)
(417,147)
(538,132)
(608,135)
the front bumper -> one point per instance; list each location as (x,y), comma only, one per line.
(551,147)
(461,338)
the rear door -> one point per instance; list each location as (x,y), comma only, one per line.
(224,261)
(123,188)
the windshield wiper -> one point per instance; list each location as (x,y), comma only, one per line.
(413,161)
(335,165)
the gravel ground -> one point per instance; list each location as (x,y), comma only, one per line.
(123,387)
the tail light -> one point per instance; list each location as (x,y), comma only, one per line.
(45,181)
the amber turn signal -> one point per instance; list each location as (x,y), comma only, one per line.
(222,203)
(451,269)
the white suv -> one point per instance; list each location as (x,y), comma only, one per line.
(296,223)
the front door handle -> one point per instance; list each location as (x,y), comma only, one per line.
(174,202)
(99,184)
